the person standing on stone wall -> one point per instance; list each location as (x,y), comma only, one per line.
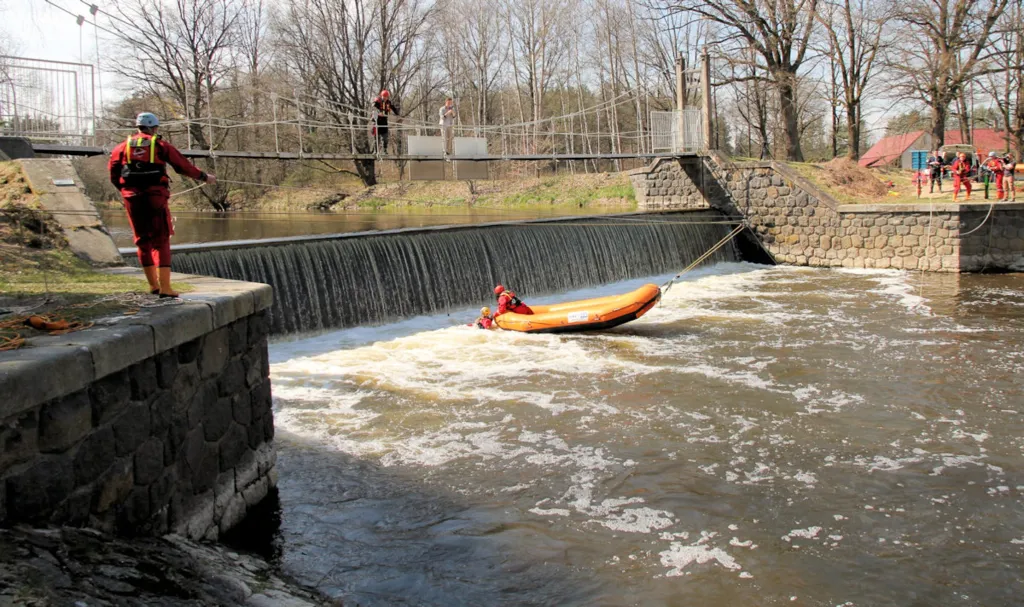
(138,168)
(447,123)
(994,164)
(935,171)
(961,175)
(1009,172)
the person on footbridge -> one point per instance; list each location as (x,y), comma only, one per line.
(382,106)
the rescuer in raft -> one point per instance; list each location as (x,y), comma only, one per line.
(138,168)
(485,321)
(509,302)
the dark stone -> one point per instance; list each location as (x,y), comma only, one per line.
(143,379)
(161,411)
(255,432)
(238,338)
(166,368)
(113,487)
(34,493)
(205,475)
(261,399)
(160,491)
(195,447)
(204,401)
(259,327)
(131,429)
(133,513)
(188,352)
(109,396)
(95,454)
(214,353)
(253,368)
(64,421)
(185,386)
(75,509)
(232,446)
(268,428)
(241,407)
(216,419)
(19,440)
(3,502)
(149,461)
(176,436)
(233,379)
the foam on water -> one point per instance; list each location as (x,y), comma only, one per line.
(714,375)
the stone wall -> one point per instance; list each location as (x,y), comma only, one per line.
(146,424)
(799,224)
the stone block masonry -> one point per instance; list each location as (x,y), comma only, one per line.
(798,224)
(160,422)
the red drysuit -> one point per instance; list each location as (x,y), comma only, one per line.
(508,302)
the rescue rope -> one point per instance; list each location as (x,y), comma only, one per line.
(718,245)
(991,207)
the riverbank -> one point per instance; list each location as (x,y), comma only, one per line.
(308,186)
(38,272)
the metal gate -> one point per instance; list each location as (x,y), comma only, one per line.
(665,136)
(48,101)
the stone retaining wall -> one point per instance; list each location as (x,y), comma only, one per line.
(799,224)
(153,423)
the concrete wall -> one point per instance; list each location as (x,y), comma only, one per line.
(152,423)
(799,224)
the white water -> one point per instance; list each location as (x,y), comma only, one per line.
(760,426)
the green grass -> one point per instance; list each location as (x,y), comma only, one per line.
(58,273)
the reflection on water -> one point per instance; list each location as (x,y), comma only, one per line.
(193,226)
(764,436)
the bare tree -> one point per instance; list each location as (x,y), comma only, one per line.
(944,45)
(853,29)
(779,31)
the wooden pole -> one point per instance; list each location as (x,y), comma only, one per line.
(705,83)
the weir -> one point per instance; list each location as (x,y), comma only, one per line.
(366,278)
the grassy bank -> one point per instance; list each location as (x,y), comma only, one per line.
(301,186)
(39,274)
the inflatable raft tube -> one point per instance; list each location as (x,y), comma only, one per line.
(584,315)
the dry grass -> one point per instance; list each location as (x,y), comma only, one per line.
(37,271)
(850,183)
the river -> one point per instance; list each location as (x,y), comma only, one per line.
(764,436)
(197,226)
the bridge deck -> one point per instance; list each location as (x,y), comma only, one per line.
(74,150)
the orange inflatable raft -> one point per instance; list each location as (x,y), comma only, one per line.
(584,315)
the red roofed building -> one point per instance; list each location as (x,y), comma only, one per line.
(895,151)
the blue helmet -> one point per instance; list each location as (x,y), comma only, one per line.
(147,120)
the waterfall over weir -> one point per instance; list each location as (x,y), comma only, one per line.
(366,278)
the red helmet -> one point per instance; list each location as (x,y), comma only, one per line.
(385,94)
(498,290)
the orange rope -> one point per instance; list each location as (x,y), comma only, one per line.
(11,343)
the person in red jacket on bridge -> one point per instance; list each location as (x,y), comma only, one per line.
(509,302)
(138,168)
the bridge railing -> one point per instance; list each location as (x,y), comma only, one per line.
(48,101)
(665,134)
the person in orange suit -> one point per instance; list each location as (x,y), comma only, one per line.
(509,302)
(995,164)
(961,170)
(138,168)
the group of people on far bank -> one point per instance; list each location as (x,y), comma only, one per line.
(1000,167)
(507,302)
